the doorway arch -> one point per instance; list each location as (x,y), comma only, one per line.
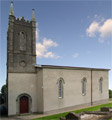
(24,104)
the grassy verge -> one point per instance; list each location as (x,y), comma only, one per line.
(57,116)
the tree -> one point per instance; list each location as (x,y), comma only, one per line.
(110,93)
(3,94)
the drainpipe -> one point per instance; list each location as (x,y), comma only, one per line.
(91,88)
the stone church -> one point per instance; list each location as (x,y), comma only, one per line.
(34,88)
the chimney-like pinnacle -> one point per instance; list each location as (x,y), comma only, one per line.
(33,16)
(11,9)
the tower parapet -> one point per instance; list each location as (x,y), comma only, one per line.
(23,21)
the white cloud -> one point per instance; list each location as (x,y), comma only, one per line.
(93,28)
(42,48)
(49,55)
(76,55)
(103,30)
(49,43)
(106,29)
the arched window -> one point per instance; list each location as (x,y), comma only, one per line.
(60,83)
(84,86)
(101,85)
(60,89)
(22,41)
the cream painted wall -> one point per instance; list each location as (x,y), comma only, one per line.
(72,88)
(39,92)
(96,93)
(43,88)
(19,83)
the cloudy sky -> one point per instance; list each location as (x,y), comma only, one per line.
(69,33)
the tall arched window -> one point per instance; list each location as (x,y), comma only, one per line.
(84,86)
(22,41)
(60,89)
(101,85)
(60,83)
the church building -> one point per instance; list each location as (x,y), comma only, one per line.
(34,88)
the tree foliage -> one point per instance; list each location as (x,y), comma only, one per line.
(110,93)
(3,94)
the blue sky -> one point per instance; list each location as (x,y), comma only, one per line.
(69,33)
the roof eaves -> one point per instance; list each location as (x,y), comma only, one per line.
(70,67)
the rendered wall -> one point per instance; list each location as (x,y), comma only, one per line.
(72,89)
(43,89)
(19,83)
(97,95)
(39,92)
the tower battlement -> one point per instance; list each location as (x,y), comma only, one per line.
(22,20)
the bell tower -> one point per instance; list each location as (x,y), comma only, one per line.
(21,43)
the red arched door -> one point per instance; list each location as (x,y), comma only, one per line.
(24,105)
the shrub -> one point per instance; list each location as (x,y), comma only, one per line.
(110,93)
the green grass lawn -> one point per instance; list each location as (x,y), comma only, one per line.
(57,116)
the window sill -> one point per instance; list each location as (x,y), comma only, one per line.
(60,97)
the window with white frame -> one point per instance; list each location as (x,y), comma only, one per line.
(84,86)
(101,85)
